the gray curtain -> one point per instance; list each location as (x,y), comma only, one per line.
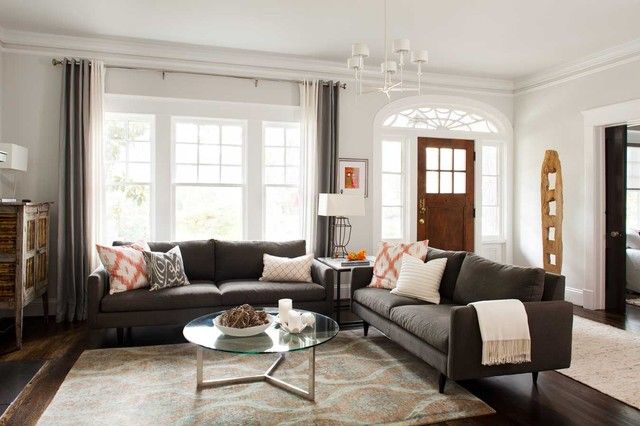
(327,167)
(73,263)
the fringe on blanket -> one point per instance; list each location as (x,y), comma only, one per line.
(506,352)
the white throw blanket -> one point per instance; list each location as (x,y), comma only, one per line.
(504,328)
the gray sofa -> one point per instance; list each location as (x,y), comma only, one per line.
(222,274)
(447,336)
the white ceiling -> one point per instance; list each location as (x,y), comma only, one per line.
(497,38)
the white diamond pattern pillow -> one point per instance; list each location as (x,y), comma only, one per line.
(287,269)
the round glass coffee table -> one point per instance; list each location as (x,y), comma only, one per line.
(274,340)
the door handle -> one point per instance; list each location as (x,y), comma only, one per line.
(421,221)
(615,234)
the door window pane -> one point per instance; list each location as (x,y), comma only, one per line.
(459,182)
(446,183)
(432,158)
(490,221)
(489,160)
(392,156)
(391,189)
(208,212)
(460,159)
(446,159)
(432,183)
(490,190)
(282,213)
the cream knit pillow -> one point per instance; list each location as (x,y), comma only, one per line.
(287,269)
(420,280)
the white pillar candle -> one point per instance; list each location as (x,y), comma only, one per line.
(295,321)
(401,45)
(284,306)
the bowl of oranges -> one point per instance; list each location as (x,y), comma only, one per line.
(357,255)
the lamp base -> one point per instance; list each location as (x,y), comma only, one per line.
(341,231)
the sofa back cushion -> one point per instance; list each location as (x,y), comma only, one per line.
(198,256)
(243,259)
(451,271)
(483,279)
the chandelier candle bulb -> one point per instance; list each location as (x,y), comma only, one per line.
(390,67)
(354,63)
(418,56)
(360,49)
(401,45)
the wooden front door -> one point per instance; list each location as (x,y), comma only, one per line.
(445,193)
(616,216)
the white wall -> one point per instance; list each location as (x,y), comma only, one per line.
(550,118)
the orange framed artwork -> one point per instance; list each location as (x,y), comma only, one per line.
(353,176)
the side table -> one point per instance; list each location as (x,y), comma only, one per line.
(335,263)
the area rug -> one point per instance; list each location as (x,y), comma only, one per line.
(358,381)
(633,298)
(607,359)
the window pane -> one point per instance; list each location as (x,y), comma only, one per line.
(186,153)
(186,132)
(274,136)
(282,213)
(232,135)
(208,212)
(139,172)
(231,174)
(274,175)
(274,156)
(391,189)
(209,174)
(432,183)
(490,221)
(231,155)
(392,156)
(139,151)
(432,158)
(115,150)
(489,160)
(392,223)
(209,134)
(139,131)
(489,191)
(293,136)
(446,183)
(633,167)
(446,159)
(633,209)
(117,129)
(209,154)
(116,172)
(293,156)
(459,182)
(127,212)
(293,175)
(460,159)
(186,174)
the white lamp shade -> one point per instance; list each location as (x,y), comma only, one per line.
(360,49)
(401,45)
(340,205)
(3,156)
(16,157)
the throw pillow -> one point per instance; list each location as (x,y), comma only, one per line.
(633,239)
(165,270)
(483,279)
(125,266)
(287,269)
(387,264)
(420,280)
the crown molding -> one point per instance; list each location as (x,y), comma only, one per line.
(591,64)
(189,57)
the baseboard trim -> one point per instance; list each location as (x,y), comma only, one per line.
(33,309)
(574,295)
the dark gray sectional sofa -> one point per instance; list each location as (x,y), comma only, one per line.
(447,336)
(222,274)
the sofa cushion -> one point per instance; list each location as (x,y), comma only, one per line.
(254,292)
(199,294)
(428,322)
(381,300)
(451,271)
(243,259)
(483,279)
(198,256)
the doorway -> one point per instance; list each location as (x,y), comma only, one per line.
(445,186)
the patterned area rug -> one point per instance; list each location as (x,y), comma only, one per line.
(607,359)
(633,298)
(358,381)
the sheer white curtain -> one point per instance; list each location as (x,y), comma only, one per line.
(93,169)
(309,135)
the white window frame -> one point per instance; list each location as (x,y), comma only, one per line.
(129,116)
(403,179)
(284,125)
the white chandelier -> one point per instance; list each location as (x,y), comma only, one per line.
(401,48)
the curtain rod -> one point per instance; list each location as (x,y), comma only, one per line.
(56,62)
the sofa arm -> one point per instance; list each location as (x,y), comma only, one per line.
(97,288)
(323,275)
(360,277)
(550,327)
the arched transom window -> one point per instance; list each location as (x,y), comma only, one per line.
(440,118)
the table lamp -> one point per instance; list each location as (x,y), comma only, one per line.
(340,206)
(12,157)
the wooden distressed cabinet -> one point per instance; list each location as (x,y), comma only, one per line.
(24,257)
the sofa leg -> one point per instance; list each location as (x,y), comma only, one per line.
(365,327)
(442,380)
(120,335)
(534,375)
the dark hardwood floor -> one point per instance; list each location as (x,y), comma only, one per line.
(556,400)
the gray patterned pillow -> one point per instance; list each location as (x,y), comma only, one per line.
(165,269)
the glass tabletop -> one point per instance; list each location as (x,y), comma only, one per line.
(274,339)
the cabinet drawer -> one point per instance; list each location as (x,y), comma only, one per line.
(8,232)
(7,280)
